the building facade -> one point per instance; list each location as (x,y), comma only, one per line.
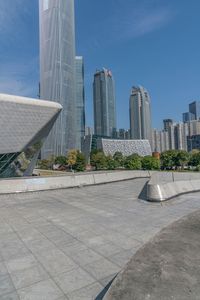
(111,146)
(80,101)
(188,117)
(24,125)
(194,108)
(57,71)
(140,114)
(104,103)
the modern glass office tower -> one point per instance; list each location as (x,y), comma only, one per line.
(80,100)
(104,103)
(194,108)
(140,114)
(57,71)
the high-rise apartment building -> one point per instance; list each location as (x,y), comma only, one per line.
(140,114)
(80,101)
(104,103)
(57,71)
(167,123)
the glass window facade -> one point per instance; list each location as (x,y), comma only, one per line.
(80,100)
(140,114)
(57,71)
(104,104)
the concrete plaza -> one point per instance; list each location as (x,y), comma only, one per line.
(69,244)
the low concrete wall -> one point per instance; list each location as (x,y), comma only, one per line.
(163,186)
(20,185)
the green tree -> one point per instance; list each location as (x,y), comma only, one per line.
(150,163)
(80,163)
(133,162)
(44,164)
(182,158)
(99,161)
(119,159)
(194,159)
(111,163)
(168,159)
(61,160)
(71,158)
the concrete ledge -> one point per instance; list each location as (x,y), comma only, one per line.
(21,185)
(164,186)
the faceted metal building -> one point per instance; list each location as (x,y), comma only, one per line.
(24,125)
(80,100)
(57,71)
(104,103)
(140,114)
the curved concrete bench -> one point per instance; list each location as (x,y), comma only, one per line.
(164,268)
(17,185)
(166,185)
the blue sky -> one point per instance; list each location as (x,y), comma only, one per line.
(154,43)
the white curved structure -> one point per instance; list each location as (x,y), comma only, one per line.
(126,147)
(24,125)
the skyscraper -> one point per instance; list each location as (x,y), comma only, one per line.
(167,123)
(80,100)
(194,108)
(104,103)
(57,71)
(188,116)
(140,114)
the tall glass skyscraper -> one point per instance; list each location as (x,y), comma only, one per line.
(57,71)
(194,108)
(80,100)
(104,103)
(140,114)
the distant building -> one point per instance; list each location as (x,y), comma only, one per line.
(193,142)
(188,117)
(160,141)
(140,114)
(181,131)
(80,101)
(110,146)
(167,123)
(57,71)
(124,134)
(104,103)
(175,137)
(194,108)
(89,130)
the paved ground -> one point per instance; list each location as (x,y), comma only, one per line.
(166,268)
(68,244)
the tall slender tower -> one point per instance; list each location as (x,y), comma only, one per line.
(104,103)
(80,100)
(57,71)
(140,114)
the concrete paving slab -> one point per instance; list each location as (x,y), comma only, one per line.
(12,296)
(44,290)
(102,268)
(6,285)
(87,293)
(73,280)
(109,223)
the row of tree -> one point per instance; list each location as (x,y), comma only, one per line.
(179,159)
(169,160)
(132,162)
(75,160)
